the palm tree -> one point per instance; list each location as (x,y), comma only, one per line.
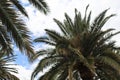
(12,26)
(82,51)
(5,69)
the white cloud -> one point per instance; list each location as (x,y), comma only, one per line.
(23,73)
(24,1)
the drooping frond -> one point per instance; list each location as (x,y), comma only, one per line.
(110,62)
(54,35)
(56,68)
(48,52)
(5,69)
(40,5)
(19,7)
(45,40)
(44,63)
(5,41)
(15,27)
(8,76)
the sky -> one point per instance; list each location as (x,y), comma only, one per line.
(37,22)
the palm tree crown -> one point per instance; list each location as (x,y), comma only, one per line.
(12,26)
(83,50)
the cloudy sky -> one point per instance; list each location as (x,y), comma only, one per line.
(38,22)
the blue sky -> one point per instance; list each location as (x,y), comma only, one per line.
(37,22)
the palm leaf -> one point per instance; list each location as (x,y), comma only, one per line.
(20,7)
(5,69)
(47,61)
(15,28)
(109,61)
(54,69)
(45,40)
(40,5)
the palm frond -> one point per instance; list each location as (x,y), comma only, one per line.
(107,73)
(5,69)
(112,55)
(61,26)
(78,22)
(110,62)
(40,5)
(15,27)
(20,7)
(45,40)
(55,68)
(47,52)
(63,75)
(54,35)
(5,42)
(8,76)
(99,20)
(47,61)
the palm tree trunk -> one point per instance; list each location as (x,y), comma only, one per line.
(85,73)
(87,78)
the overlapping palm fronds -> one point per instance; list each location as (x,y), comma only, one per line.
(83,50)
(6,71)
(12,27)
